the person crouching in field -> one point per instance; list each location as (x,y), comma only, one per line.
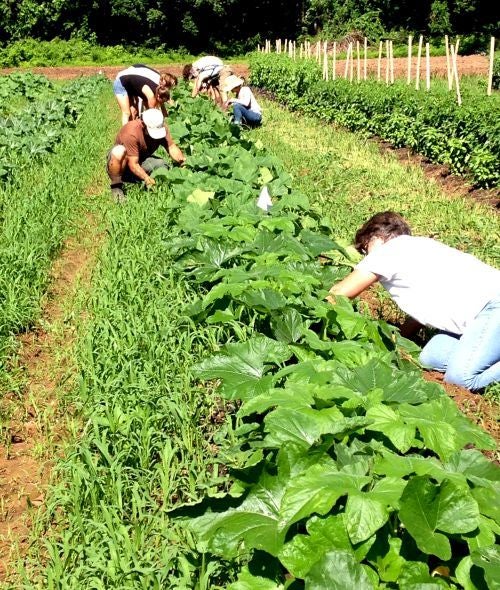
(438,286)
(209,74)
(246,109)
(140,84)
(131,158)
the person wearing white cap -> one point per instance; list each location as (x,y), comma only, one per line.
(246,109)
(131,158)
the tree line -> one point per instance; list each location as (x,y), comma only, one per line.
(233,26)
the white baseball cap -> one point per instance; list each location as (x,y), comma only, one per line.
(153,119)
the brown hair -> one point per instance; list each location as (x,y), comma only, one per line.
(384,225)
(186,72)
(167,82)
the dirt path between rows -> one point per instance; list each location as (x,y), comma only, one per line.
(38,424)
(466,64)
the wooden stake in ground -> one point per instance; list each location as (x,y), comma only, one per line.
(351,68)
(358,63)
(365,56)
(334,63)
(391,48)
(449,70)
(387,59)
(419,58)
(379,62)
(346,69)
(408,67)
(490,70)
(455,73)
(325,61)
(427,67)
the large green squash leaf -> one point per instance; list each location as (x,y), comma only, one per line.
(427,509)
(338,570)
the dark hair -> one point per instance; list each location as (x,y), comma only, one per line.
(384,225)
(167,82)
(186,72)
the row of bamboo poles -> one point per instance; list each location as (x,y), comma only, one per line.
(355,53)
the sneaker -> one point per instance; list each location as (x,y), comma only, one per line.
(118,195)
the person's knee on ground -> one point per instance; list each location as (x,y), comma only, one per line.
(437,352)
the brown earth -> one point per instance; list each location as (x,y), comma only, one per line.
(466,64)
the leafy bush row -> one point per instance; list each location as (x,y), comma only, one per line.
(35,131)
(466,138)
(24,84)
(347,470)
(34,52)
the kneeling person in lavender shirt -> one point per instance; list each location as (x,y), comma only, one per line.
(438,286)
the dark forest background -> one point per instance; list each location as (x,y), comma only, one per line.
(235,26)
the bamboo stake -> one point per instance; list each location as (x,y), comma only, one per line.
(449,72)
(346,70)
(358,63)
(427,67)
(351,68)
(408,67)
(334,63)
(365,57)
(387,54)
(294,50)
(391,47)
(379,62)
(419,57)
(490,71)
(325,62)
(455,73)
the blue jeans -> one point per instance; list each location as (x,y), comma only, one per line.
(471,360)
(242,114)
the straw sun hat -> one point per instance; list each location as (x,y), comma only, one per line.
(232,82)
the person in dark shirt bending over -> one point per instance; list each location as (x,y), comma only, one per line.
(141,83)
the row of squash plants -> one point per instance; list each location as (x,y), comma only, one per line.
(345,468)
(466,137)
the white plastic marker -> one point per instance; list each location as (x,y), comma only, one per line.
(264,201)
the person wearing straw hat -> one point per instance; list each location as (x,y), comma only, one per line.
(246,109)
(131,158)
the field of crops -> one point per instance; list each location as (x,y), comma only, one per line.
(215,422)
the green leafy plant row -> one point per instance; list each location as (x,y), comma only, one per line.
(25,84)
(33,132)
(466,138)
(346,468)
(39,201)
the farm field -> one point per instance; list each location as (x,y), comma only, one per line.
(162,327)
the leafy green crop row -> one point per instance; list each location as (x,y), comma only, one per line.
(17,85)
(39,201)
(348,470)
(30,134)
(466,138)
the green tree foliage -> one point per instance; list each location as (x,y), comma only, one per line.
(222,25)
